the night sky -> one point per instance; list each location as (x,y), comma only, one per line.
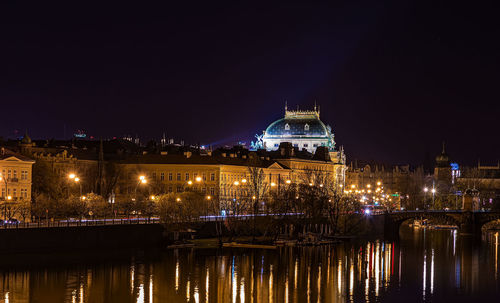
(393,79)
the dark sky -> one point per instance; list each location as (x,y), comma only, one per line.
(393,79)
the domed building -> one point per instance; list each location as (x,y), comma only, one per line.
(303,129)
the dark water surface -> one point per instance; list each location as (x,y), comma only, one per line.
(424,266)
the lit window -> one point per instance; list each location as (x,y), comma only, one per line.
(287,126)
(187,176)
(170,176)
(178,176)
(212,177)
(162,176)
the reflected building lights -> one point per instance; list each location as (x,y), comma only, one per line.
(132,273)
(188,291)
(496,256)
(432,271)
(196,295)
(140,294)
(319,283)
(377,269)
(308,283)
(351,281)
(271,283)
(242,290)
(81,292)
(207,285)
(150,288)
(424,274)
(177,276)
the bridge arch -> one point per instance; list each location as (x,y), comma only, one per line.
(394,221)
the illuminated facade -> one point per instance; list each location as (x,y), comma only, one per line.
(15,176)
(303,129)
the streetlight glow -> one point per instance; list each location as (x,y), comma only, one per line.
(243,180)
(198,179)
(288,181)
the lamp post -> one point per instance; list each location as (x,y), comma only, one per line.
(425,197)
(141,180)
(75,179)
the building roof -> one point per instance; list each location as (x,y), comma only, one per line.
(298,124)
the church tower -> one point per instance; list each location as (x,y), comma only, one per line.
(442,171)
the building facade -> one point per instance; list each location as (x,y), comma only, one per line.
(15,176)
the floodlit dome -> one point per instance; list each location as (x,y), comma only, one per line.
(303,129)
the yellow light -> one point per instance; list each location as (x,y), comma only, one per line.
(310,184)
(83,197)
(254,197)
(369,191)
(142,177)
(198,179)
(341,185)
(208,197)
(144,181)
(77,179)
(71,176)
(178,199)
(379,183)
(152,197)
(9,197)
(244,181)
(368,185)
(288,181)
(353,186)
(273,184)
(321,185)
(236,183)
(190,182)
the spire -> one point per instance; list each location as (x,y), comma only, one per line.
(286,106)
(444,150)
(315,106)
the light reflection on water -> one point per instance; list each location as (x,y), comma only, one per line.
(435,264)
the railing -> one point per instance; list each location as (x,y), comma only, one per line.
(80,223)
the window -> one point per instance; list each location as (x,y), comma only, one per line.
(178,176)
(170,189)
(3,192)
(276,145)
(295,145)
(306,127)
(162,176)
(14,192)
(287,126)
(179,189)
(187,176)
(212,177)
(170,176)
(306,145)
(15,174)
(204,177)
(212,191)
(154,176)
(315,145)
(24,175)
(8,175)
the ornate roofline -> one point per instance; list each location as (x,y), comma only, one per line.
(302,114)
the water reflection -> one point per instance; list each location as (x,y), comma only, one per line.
(436,264)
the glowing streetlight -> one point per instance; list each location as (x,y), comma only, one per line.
(368,185)
(310,184)
(288,181)
(273,184)
(433,190)
(9,197)
(379,183)
(353,186)
(190,182)
(426,189)
(83,198)
(321,185)
(152,197)
(77,179)
(208,197)
(236,183)
(71,176)
(198,179)
(243,180)
(254,197)
(178,199)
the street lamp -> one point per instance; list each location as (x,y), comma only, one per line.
(142,180)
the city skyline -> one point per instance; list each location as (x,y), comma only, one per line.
(393,80)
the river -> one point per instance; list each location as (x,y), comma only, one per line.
(423,266)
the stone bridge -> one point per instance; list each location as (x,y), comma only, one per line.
(468,222)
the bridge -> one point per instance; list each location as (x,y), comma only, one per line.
(468,222)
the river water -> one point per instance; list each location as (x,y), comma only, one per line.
(423,266)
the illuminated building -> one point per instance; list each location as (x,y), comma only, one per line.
(303,129)
(15,176)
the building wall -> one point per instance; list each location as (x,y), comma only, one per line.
(16,179)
